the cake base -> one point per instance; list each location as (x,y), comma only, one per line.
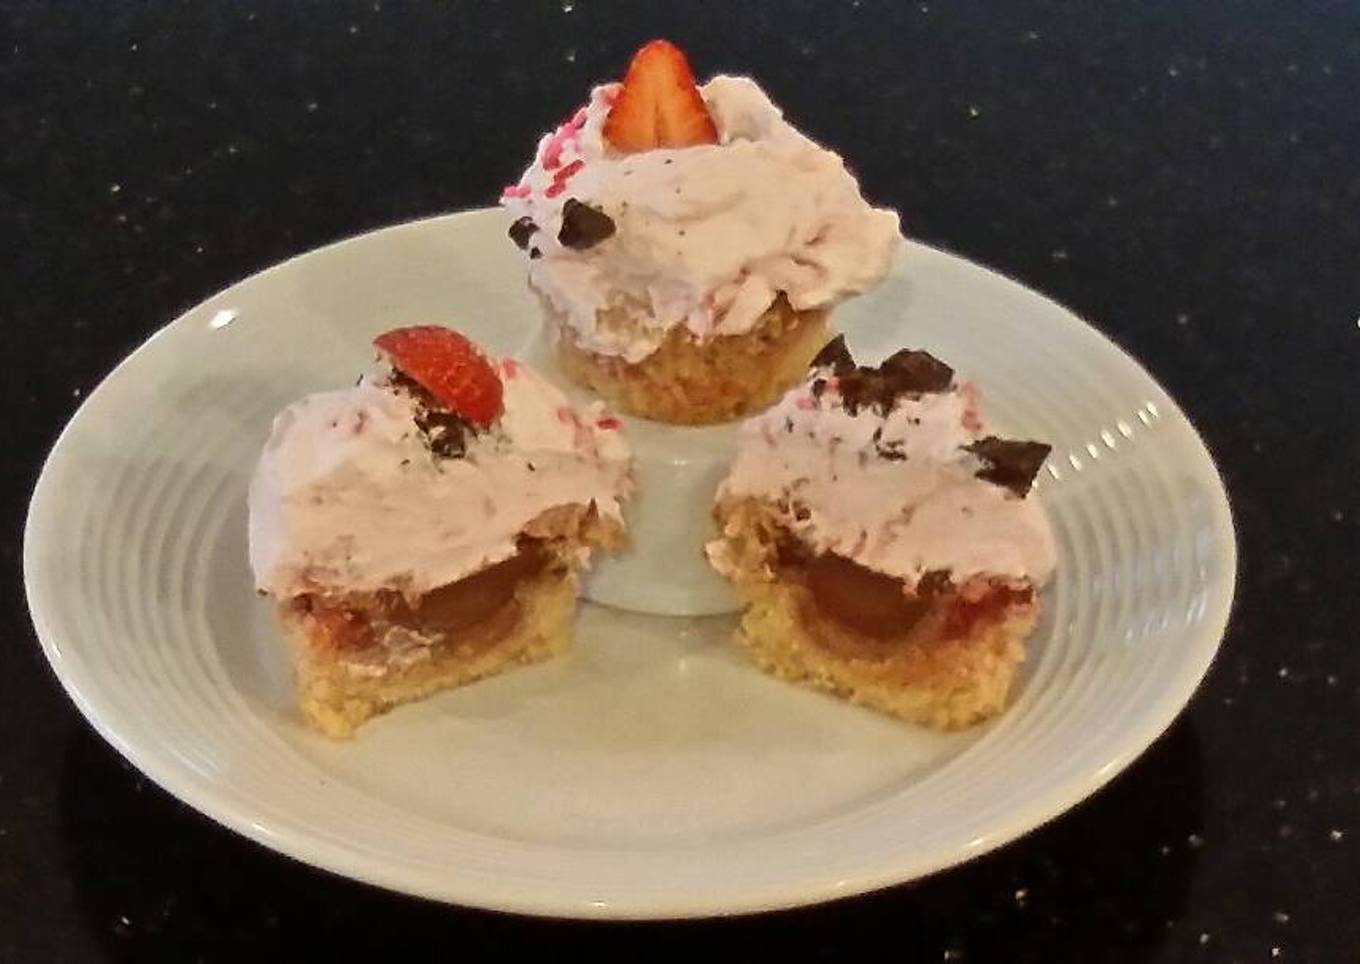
(339,688)
(691,382)
(950,666)
(941,683)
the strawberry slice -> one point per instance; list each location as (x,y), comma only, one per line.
(659,104)
(448,366)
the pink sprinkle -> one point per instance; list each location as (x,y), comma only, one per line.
(570,170)
(805,402)
(560,179)
(564,135)
(516,190)
(552,151)
(565,415)
(609,424)
(972,417)
(578,120)
(509,367)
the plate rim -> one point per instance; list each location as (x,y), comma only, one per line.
(1051,802)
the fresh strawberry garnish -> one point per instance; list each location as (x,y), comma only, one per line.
(659,104)
(449,367)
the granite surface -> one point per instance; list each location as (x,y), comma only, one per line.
(1184,175)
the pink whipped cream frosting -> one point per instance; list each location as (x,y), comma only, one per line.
(706,236)
(904,516)
(348,496)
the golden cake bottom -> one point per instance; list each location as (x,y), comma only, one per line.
(952,665)
(357,655)
(691,382)
(340,686)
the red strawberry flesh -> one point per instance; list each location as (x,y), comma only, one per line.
(659,104)
(448,366)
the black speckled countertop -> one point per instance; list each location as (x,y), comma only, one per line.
(1185,176)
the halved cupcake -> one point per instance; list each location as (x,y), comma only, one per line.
(886,545)
(426,527)
(689,243)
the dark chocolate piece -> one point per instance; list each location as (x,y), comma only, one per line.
(917,371)
(583,226)
(1009,463)
(835,356)
(522,230)
(906,373)
(446,433)
(866,388)
(891,451)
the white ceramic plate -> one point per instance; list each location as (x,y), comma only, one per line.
(652,773)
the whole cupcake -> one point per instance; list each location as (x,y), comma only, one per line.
(689,243)
(428,526)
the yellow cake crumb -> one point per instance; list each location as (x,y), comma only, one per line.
(336,692)
(939,683)
(926,675)
(688,381)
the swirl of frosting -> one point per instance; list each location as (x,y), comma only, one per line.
(707,236)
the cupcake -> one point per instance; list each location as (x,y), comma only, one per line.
(426,527)
(886,545)
(688,242)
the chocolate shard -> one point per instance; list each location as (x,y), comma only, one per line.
(917,371)
(904,374)
(835,356)
(446,433)
(522,230)
(583,226)
(1009,463)
(866,388)
(891,451)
